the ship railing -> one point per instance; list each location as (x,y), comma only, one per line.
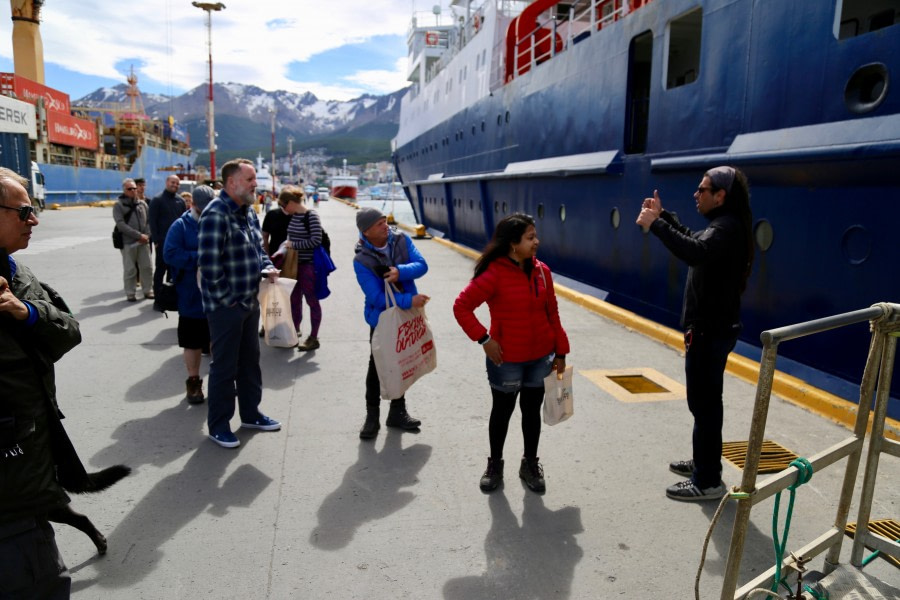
(884,322)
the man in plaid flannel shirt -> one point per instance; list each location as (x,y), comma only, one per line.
(232,260)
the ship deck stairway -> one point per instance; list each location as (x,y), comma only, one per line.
(839,581)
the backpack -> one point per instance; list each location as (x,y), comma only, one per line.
(326,241)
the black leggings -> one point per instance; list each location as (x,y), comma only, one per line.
(501,412)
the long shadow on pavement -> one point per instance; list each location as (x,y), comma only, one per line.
(536,559)
(370,490)
(170,506)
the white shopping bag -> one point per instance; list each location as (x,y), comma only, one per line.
(275,303)
(402,346)
(558,404)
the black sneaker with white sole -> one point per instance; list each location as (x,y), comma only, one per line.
(687,491)
(685,468)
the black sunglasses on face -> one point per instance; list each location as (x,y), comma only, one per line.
(25,212)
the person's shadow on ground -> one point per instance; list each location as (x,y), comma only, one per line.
(370,490)
(170,506)
(534,560)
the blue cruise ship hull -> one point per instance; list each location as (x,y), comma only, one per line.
(775,99)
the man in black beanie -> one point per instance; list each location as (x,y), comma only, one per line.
(384,254)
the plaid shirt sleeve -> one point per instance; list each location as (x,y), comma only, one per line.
(211,255)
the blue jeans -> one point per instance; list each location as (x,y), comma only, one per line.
(704,369)
(235,366)
(510,376)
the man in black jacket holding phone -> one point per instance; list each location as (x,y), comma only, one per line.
(36,330)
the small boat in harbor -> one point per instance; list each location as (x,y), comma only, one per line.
(344,185)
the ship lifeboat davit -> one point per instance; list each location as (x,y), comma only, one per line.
(526,39)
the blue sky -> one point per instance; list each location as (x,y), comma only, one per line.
(337,51)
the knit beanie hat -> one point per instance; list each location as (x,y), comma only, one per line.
(201,196)
(366,217)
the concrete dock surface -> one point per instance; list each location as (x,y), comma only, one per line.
(314,512)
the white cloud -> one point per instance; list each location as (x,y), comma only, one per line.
(254,41)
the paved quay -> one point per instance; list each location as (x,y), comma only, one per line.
(314,512)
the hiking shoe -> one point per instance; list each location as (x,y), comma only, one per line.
(685,468)
(194,390)
(532,473)
(131,298)
(226,439)
(370,426)
(262,422)
(401,419)
(149,295)
(687,491)
(493,475)
(311,343)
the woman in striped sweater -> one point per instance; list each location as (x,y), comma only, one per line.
(304,235)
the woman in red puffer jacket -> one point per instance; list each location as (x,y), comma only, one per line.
(525,343)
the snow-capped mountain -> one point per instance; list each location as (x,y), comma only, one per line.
(301,114)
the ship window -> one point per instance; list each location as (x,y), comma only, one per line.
(763,234)
(683,62)
(499,119)
(496,206)
(615,218)
(867,88)
(471,204)
(473,130)
(562,213)
(540,211)
(504,208)
(507,116)
(482,126)
(860,17)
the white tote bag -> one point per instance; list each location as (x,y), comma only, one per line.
(558,404)
(402,346)
(275,302)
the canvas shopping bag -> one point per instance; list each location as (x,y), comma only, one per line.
(558,404)
(275,303)
(402,346)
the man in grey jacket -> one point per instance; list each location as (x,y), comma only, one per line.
(131,216)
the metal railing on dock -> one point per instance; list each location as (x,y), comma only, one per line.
(885,325)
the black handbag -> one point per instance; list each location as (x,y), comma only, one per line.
(167,295)
(118,240)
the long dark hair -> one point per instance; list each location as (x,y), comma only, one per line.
(509,231)
(737,201)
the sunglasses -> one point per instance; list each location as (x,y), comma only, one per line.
(25,212)
(130,189)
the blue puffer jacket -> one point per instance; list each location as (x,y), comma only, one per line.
(180,252)
(404,255)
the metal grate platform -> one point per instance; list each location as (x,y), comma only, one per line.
(636,385)
(888,528)
(773,458)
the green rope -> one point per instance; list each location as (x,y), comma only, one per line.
(804,474)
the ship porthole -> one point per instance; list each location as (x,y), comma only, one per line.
(867,88)
(471,204)
(856,244)
(504,208)
(496,206)
(540,211)
(499,119)
(507,116)
(615,218)
(562,213)
(764,235)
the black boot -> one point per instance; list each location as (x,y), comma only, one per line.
(398,417)
(371,426)
(493,475)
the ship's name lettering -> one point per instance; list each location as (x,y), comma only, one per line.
(14,116)
(73,131)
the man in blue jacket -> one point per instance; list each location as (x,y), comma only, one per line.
(385,254)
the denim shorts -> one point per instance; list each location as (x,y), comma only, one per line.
(511,376)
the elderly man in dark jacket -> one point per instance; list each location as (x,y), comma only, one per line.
(164,209)
(36,330)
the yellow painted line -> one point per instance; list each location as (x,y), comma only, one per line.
(786,386)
